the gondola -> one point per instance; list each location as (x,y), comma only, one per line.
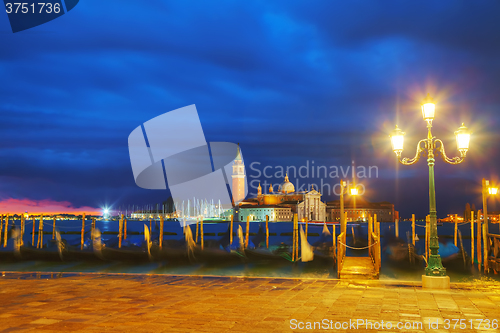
(134,248)
(72,251)
(172,250)
(218,251)
(257,252)
(455,259)
(8,253)
(323,247)
(401,254)
(50,251)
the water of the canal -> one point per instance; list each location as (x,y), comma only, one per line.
(279,232)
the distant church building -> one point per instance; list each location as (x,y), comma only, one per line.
(238,179)
(281,205)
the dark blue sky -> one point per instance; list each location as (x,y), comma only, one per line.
(290,81)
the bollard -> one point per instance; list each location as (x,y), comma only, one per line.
(472,236)
(248,231)
(267,231)
(413,229)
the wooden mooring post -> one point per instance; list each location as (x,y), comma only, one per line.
(370,231)
(485,247)
(413,229)
(230,230)
(267,231)
(296,229)
(334,236)
(201,232)
(53,227)
(23,223)
(247,231)
(92,230)
(479,243)
(33,233)
(83,231)
(125,228)
(39,245)
(6,229)
(197,229)
(307,227)
(396,226)
(160,240)
(120,231)
(472,236)
(456,229)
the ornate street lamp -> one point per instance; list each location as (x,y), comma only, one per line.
(429,147)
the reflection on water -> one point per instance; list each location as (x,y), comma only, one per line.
(279,232)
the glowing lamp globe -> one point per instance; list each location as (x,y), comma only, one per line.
(354,191)
(463,138)
(428,108)
(397,140)
(493,190)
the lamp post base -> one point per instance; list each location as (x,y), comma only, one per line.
(435,282)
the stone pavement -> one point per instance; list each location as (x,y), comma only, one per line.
(63,302)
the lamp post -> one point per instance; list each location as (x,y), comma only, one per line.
(344,189)
(487,190)
(429,147)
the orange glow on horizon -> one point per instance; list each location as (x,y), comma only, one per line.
(46,207)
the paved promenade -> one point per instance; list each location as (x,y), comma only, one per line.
(158,303)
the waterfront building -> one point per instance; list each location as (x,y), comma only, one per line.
(283,204)
(359,209)
(238,179)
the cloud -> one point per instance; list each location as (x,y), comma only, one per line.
(47,206)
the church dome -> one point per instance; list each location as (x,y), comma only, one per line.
(286,186)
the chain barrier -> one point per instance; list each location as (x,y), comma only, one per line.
(358,248)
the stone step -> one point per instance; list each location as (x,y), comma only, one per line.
(358,268)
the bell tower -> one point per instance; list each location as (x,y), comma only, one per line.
(238,176)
